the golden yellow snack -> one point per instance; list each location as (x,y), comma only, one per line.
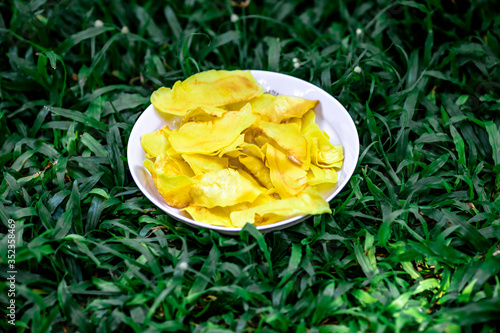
(208,137)
(257,168)
(288,137)
(288,178)
(323,152)
(174,189)
(211,88)
(205,163)
(317,175)
(156,143)
(223,188)
(172,165)
(307,202)
(285,107)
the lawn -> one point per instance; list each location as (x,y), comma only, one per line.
(413,241)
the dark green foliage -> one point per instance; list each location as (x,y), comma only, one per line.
(413,241)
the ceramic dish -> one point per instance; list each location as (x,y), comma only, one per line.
(331,117)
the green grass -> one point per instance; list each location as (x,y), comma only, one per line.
(411,243)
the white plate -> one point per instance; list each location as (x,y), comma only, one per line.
(331,117)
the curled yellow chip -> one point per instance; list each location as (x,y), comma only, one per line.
(285,107)
(210,88)
(172,165)
(205,163)
(156,143)
(308,202)
(288,137)
(257,168)
(208,137)
(215,216)
(323,153)
(203,114)
(317,175)
(288,178)
(174,189)
(223,188)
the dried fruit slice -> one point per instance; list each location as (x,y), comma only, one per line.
(287,177)
(172,165)
(308,202)
(284,107)
(174,189)
(223,188)
(323,153)
(210,88)
(317,175)
(203,114)
(215,216)
(209,137)
(205,163)
(156,143)
(288,137)
(257,168)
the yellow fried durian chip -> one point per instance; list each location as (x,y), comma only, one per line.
(287,177)
(156,143)
(254,182)
(215,216)
(331,156)
(323,152)
(172,165)
(203,114)
(235,146)
(285,107)
(340,151)
(317,175)
(205,163)
(288,137)
(261,102)
(174,189)
(261,141)
(253,150)
(223,188)
(210,88)
(297,122)
(258,103)
(247,149)
(307,202)
(307,120)
(211,136)
(257,168)
(221,215)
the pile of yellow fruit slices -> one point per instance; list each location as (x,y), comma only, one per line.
(239,155)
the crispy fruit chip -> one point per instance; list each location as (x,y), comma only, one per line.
(156,143)
(215,216)
(238,155)
(317,175)
(308,202)
(323,152)
(208,137)
(210,88)
(223,188)
(288,178)
(205,163)
(257,168)
(285,107)
(174,189)
(203,114)
(290,139)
